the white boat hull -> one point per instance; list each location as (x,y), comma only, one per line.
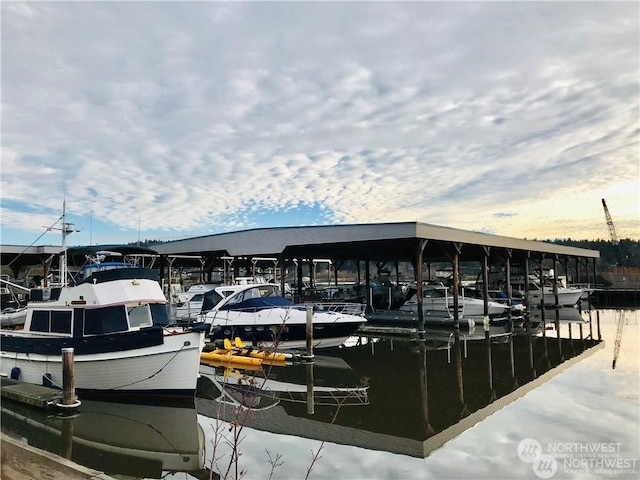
(161,369)
(284,328)
(566,297)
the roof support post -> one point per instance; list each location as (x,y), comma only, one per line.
(312,272)
(456,285)
(526,279)
(336,265)
(367,284)
(281,267)
(161,264)
(299,279)
(485,279)
(555,280)
(541,279)
(507,274)
(419,253)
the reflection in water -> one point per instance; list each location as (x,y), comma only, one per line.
(119,439)
(376,399)
(328,381)
(408,410)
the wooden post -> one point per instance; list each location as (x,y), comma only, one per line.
(69,400)
(68,388)
(310,331)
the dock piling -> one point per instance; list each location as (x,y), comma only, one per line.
(69,400)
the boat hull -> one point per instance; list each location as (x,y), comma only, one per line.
(566,297)
(168,369)
(283,328)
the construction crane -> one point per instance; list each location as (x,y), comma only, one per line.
(612,230)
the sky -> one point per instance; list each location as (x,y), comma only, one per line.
(169,120)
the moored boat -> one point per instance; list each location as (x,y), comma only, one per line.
(116,321)
(437,299)
(259,315)
(117,324)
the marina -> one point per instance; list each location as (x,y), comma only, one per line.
(376,402)
(388,367)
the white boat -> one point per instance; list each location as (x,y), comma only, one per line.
(189,304)
(116,322)
(12,317)
(14,310)
(437,299)
(260,316)
(544,293)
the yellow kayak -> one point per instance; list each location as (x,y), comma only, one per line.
(240,354)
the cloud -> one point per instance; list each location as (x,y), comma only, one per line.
(175,116)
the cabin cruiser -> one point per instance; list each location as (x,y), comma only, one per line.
(261,316)
(544,292)
(436,298)
(116,322)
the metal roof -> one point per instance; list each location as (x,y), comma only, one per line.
(381,241)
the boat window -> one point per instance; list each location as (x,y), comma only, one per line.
(159,314)
(197,297)
(244,295)
(56,321)
(139,316)
(211,299)
(61,321)
(40,321)
(105,320)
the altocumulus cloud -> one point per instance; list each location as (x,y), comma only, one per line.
(182,117)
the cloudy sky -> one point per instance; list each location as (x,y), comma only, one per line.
(168,120)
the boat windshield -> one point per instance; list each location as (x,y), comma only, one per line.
(431,292)
(260,296)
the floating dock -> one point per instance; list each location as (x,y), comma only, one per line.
(34,395)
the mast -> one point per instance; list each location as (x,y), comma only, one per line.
(67,229)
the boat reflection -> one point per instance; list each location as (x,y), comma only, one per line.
(328,380)
(420,394)
(131,440)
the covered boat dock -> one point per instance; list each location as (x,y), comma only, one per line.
(378,245)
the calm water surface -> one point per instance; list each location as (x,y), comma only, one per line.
(478,407)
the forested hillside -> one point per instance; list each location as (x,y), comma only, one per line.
(626,253)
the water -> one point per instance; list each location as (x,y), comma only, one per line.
(399,410)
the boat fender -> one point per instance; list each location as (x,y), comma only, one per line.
(15,373)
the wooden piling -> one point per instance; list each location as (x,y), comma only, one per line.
(69,399)
(309,331)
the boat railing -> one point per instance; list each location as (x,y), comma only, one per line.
(347,308)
